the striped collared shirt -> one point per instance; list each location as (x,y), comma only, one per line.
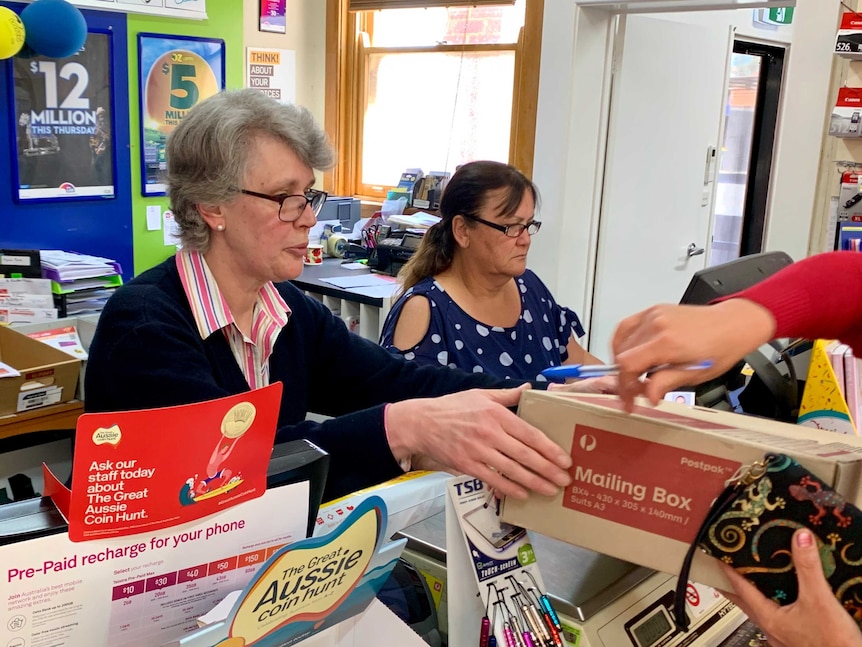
(212,314)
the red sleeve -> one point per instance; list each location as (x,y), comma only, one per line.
(819,297)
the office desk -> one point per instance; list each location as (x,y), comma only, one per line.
(363,314)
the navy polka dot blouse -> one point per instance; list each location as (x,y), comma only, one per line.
(538,339)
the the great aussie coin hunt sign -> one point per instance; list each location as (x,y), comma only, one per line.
(309,586)
(141,471)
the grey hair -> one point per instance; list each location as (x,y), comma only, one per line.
(207,153)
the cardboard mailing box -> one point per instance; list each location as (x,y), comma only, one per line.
(643,482)
(48,375)
(84,324)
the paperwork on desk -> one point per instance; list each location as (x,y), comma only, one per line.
(420,220)
(370,285)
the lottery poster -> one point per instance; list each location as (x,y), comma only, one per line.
(64,124)
(176,73)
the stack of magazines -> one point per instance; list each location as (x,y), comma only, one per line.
(81,283)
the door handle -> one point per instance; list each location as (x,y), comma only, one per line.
(693,250)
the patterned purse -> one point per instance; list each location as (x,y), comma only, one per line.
(751,524)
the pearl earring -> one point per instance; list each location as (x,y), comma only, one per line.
(220,228)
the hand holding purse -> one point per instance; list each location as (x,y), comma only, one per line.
(751,523)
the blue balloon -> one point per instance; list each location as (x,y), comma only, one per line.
(54,28)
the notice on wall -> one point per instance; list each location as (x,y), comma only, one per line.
(190,9)
(144,590)
(272,16)
(273,72)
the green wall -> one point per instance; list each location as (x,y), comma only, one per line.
(225,22)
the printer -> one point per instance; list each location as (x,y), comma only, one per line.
(391,252)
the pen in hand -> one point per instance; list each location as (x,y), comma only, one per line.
(601,370)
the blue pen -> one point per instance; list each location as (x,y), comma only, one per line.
(601,370)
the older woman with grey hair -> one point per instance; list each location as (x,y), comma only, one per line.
(221,318)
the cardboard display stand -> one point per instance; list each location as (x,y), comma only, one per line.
(146,574)
(309,586)
(488,556)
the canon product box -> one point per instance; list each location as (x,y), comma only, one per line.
(848,43)
(846,118)
(46,375)
(643,482)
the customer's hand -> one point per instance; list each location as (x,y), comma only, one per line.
(723,334)
(607,384)
(473,432)
(815,619)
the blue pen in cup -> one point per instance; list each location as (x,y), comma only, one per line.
(584,371)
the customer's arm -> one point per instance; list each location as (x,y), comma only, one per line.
(665,334)
(819,297)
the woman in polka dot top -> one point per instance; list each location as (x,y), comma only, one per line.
(468,300)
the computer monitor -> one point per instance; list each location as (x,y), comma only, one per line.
(728,278)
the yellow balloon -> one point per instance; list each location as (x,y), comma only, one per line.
(177,81)
(11,33)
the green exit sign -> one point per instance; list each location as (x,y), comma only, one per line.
(772,18)
(779,16)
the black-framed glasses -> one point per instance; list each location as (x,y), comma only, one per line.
(512,231)
(290,207)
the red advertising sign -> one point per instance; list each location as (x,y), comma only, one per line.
(139,471)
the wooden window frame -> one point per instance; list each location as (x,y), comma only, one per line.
(346,46)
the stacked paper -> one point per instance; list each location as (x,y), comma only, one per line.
(81,283)
(26,301)
(68,266)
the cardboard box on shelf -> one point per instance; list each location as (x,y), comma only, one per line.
(84,324)
(47,375)
(643,482)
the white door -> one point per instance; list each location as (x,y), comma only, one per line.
(666,107)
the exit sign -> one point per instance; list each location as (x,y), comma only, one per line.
(773,17)
(780,15)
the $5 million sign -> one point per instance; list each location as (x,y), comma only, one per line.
(176,73)
(63,124)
